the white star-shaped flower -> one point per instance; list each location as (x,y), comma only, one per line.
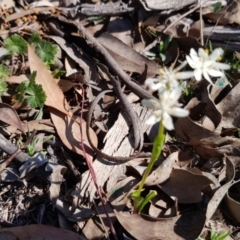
(168,78)
(206,65)
(166,107)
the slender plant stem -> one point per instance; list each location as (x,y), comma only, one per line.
(157,149)
(147,199)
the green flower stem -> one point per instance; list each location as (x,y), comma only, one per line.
(147,199)
(156,151)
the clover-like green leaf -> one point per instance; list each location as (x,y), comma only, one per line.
(15,44)
(35,39)
(46,51)
(31,92)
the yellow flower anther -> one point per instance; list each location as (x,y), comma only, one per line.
(207,50)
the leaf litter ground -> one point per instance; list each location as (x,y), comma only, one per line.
(56,185)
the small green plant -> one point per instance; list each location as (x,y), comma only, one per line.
(31,147)
(4,72)
(58,73)
(31,92)
(167,105)
(216,7)
(45,50)
(217,236)
(35,39)
(188,91)
(235,63)
(162,48)
(15,44)
(96,19)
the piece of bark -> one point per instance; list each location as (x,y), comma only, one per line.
(172,5)
(118,144)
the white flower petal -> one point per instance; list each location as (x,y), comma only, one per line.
(150,103)
(152,120)
(206,76)
(175,94)
(198,74)
(156,86)
(205,64)
(149,82)
(178,112)
(215,73)
(191,62)
(208,64)
(217,52)
(167,121)
(184,75)
(180,67)
(193,54)
(202,54)
(222,66)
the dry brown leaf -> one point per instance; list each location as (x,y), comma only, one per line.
(67,128)
(213,117)
(118,197)
(230,109)
(187,226)
(88,67)
(185,186)
(74,214)
(163,206)
(9,116)
(38,232)
(220,193)
(232,202)
(39,125)
(228,15)
(55,97)
(121,28)
(195,30)
(205,143)
(126,57)
(17,79)
(190,132)
(69,132)
(163,172)
(65,84)
(186,43)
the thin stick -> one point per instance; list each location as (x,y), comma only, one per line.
(9,148)
(92,172)
(201,23)
(6,162)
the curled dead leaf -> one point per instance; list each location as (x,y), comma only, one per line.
(187,226)
(9,116)
(67,128)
